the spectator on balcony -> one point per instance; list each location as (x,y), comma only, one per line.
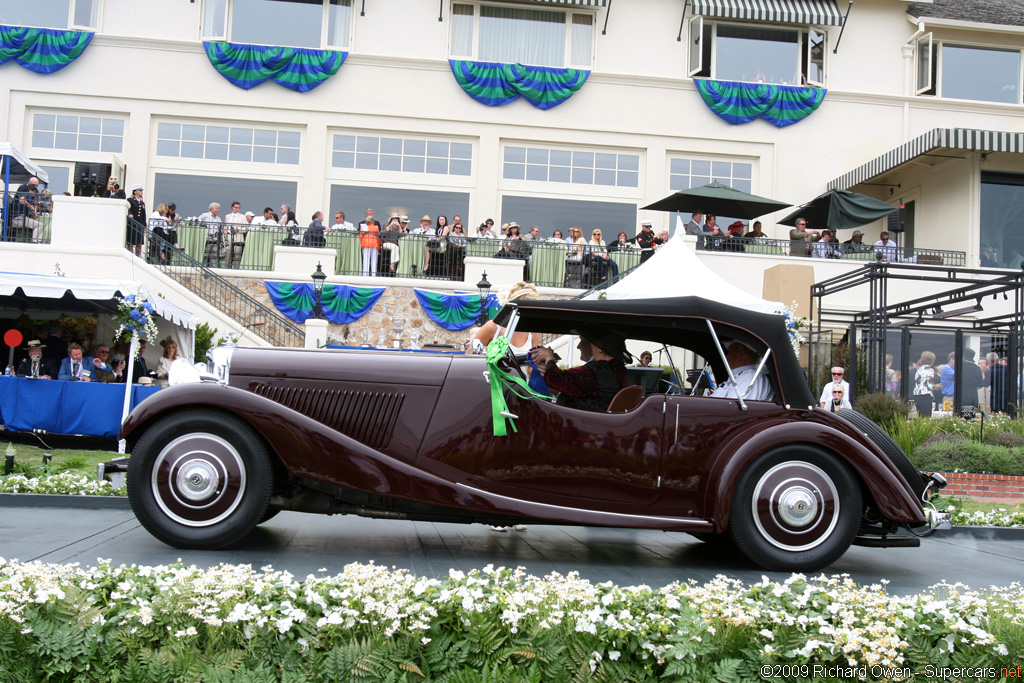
(533,235)
(136,220)
(403,222)
(577,245)
(236,226)
(599,258)
(855,245)
(755,233)
(340,223)
(168,235)
(801,238)
(510,246)
(621,242)
(389,237)
(261,221)
(989,257)
(735,240)
(645,240)
(558,235)
(486,229)
(714,237)
(369,243)
(314,236)
(824,247)
(437,242)
(113,189)
(457,221)
(35,365)
(694,225)
(887,248)
(294,238)
(214,224)
(173,218)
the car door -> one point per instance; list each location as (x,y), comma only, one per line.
(564,453)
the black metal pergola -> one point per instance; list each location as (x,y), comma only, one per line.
(956,306)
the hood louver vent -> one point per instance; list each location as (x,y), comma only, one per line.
(366,416)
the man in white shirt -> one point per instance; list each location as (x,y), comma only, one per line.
(887,248)
(744,362)
(235,227)
(340,223)
(213,222)
(837,378)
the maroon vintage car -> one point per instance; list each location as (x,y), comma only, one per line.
(411,436)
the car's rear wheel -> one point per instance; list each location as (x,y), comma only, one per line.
(891,449)
(795,509)
(200,479)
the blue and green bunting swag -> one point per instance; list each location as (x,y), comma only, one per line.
(454,311)
(342,304)
(495,84)
(780,105)
(296,68)
(43,50)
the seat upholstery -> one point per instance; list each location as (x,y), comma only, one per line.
(626,400)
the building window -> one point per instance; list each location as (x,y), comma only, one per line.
(65,14)
(355,199)
(688,173)
(193,193)
(756,54)
(287,23)
(968,72)
(558,214)
(77,132)
(577,167)
(403,155)
(1002,210)
(227,143)
(538,37)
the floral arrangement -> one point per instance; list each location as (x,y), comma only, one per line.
(554,240)
(180,622)
(417,231)
(135,316)
(629,246)
(64,483)
(794,324)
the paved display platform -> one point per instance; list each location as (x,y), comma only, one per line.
(305,544)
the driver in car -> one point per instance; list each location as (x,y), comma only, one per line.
(743,362)
(591,386)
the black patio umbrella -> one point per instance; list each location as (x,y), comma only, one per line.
(719,200)
(840,209)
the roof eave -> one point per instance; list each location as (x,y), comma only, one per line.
(938,22)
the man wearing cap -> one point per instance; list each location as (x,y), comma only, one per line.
(743,362)
(35,365)
(591,386)
(646,241)
(24,209)
(855,244)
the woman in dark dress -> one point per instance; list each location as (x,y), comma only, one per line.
(136,220)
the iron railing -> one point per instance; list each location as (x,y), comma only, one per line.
(211,287)
(24,228)
(833,250)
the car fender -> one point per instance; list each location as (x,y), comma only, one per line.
(891,494)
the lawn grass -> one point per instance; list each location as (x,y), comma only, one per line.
(28,460)
(970,506)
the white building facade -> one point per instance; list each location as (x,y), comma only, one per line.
(393,129)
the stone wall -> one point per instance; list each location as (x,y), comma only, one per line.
(396,302)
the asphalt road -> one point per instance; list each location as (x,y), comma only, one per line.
(305,544)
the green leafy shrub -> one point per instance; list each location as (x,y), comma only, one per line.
(76,462)
(909,434)
(883,409)
(204,341)
(949,452)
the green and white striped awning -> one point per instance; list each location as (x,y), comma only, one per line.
(817,12)
(965,139)
(582,3)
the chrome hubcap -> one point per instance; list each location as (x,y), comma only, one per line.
(197,480)
(797,506)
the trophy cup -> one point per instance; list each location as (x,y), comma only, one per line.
(365,334)
(414,338)
(398,326)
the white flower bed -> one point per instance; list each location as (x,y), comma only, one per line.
(376,622)
(1000,517)
(66,483)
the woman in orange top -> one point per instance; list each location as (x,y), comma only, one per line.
(369,241)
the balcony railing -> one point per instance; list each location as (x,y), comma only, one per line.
(831,250)
(219,292)
(25,228)
(408,255)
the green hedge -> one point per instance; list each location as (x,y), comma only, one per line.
(952,452)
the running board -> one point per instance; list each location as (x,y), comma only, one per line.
(887,541)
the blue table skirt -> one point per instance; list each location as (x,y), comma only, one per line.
(89,408)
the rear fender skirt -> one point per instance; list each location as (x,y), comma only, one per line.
(892,496)
(312,451)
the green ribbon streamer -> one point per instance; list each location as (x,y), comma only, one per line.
(497,350)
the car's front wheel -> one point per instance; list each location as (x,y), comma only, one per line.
(200,479)
(795,509)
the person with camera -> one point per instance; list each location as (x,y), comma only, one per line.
(113,190)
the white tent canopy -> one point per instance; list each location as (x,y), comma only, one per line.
(675,270)
(93,295)
(20,165)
